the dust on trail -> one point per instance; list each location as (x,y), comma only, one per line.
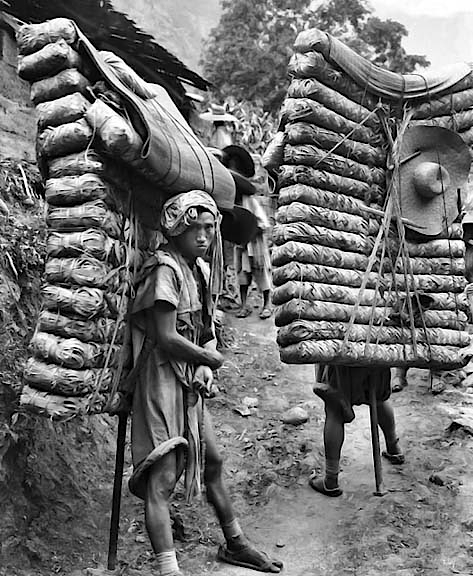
(418,527)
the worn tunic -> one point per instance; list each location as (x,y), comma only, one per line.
(167,413)
(349,386)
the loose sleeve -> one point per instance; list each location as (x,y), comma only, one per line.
(160,285)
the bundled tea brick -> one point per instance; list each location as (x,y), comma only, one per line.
(97,330)
(48,61)
(34,37)
(62,110)
(81,189)
(65,139)
(64,83)
(66,381)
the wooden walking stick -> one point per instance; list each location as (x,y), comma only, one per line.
(378,471)
(117,491)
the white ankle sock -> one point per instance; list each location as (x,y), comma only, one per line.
(167,563)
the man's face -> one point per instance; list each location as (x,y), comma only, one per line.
(196,240)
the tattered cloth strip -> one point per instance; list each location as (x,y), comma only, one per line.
(116,135)
(360,354)
(294,289)
(311,254)
(84,301)
(62,84)
(304,232)
(305,110)
(310,155)
(317,310)
(72,352)
(65,381)
(377,80)
(333,100)
(323,198)
(76,164)
(64,139)
(94,214)
(443,105)
(72,190)
(62,110)
(58,408)
(33,37)
(429,283)
(84,271)
(92,242)
(457,121)
(313,65)
(318,216)
(304,133)
(301,330)
(289,175)
(97,330)
(48,61)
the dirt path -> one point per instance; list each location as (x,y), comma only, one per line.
(418,527)
(422,526)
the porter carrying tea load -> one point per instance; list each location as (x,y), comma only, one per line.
(369,262)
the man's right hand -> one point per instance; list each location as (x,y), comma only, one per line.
(213,359)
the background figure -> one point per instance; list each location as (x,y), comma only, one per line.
(222,126)
(341,388)
(251,261)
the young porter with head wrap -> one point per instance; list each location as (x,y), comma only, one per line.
(175,347)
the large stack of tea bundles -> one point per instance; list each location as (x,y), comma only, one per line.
(92,247)
(331,153)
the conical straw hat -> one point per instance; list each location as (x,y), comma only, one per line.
(434,165)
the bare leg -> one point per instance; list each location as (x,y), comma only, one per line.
(244,310)
(266,295)
(387,424)
(334,436)
(239,550)
(161,483)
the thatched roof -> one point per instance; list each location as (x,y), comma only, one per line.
(111,30)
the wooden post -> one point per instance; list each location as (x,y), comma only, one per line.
(378,471)
(117,491)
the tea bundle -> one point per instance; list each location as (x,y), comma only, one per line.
(78,351)
(351,285)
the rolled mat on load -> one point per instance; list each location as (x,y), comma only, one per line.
(303,133)
(333,100)
(323,198)
(303,232)
(310,155)
(302,330)
(313,65)
(290,175)
(318,310)
(306,110)
(360,354)
(315,291)
(429,283)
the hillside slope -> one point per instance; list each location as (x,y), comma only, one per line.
(180,26)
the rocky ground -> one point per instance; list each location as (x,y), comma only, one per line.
(422,525)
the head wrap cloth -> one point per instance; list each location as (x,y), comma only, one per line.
(180,212)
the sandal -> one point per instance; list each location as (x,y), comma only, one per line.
(265,313)
(318,484)
(249,557)
(396,459)
(244,312)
